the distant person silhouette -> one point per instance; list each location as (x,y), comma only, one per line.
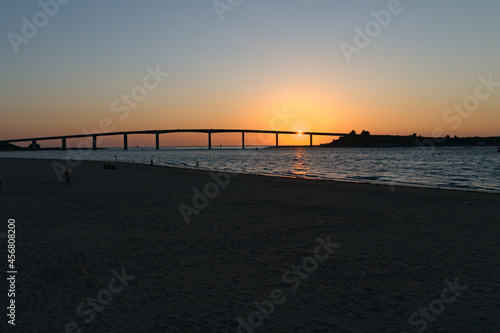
(67,176)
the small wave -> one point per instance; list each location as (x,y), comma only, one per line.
(366,177)
(470,169)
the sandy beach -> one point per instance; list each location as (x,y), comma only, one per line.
(113,253)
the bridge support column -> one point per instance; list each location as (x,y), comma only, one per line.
(94,142)
(242,140)
(276,139)
(33,145)
(125,142)
(310,140)
(63,144)
(209,140)
(157,141)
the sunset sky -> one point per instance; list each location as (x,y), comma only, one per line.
(240,65)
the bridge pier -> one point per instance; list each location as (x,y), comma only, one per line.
(33,145)
(209,140)
(242,140)
(310,140)
(94,142)
(157,141)
(125,141)
(276,139)
(63,144)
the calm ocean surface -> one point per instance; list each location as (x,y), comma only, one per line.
(470,168)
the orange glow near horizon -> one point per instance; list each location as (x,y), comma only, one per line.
(287,109)
(274,75)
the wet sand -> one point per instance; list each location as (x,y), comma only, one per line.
(113,253)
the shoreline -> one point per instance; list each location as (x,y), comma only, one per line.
(308,178)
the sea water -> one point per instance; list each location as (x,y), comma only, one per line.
(469,168)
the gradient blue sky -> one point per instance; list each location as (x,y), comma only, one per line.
(265,56)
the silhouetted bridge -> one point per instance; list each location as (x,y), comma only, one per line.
(158,132)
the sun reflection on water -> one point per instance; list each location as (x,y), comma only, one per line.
(300,164)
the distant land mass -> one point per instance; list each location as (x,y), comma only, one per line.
(365,139)
(5,146)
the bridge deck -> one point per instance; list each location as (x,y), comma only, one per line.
(157,133)
(171,131)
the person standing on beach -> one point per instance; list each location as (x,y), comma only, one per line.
(66,175)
